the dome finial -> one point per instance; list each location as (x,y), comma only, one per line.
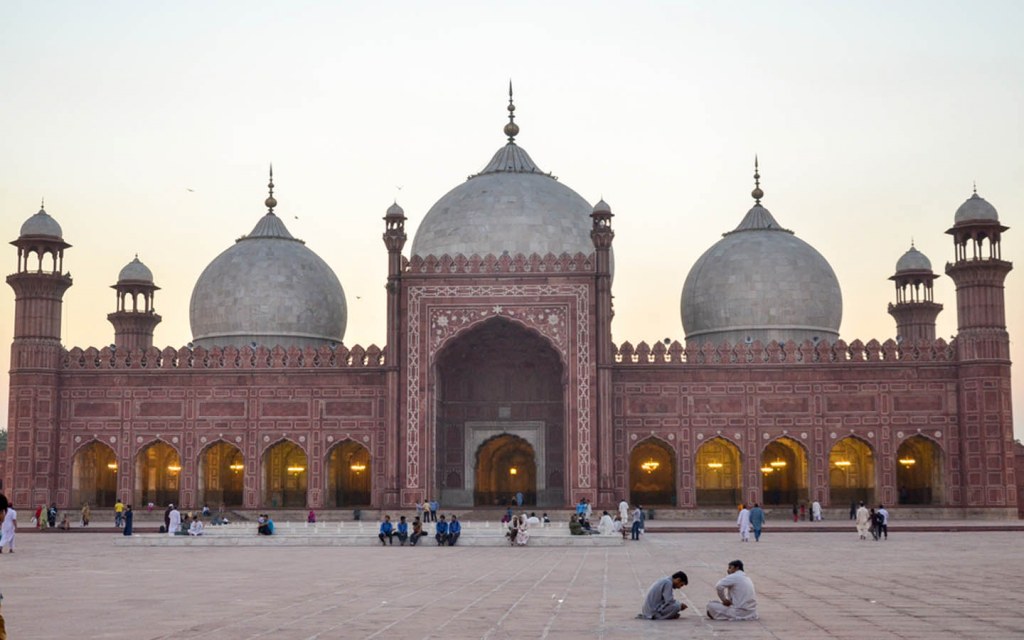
(757,194)
(911,242)
(975,183)
(271,202)
(511,129)
(42,203)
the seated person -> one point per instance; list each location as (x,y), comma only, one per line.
(545,519)
(513,530)
(574,526)
(417,532)
(386,531)
(64,524)
(618,528)
(533,519)
(736,597)
(606,525)
(402,531)
(660,603)
(441,532)
(196,528)
(265,526)
(454,531)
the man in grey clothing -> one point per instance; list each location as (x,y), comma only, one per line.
(660,603)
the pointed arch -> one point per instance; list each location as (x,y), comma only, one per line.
(285,474)
(506,465)
(851,467)
(785,472)
(919,464)
(157,473)
(349,474)
(719,473)
(94,475)
(456,336)
(652,473)
(221,475)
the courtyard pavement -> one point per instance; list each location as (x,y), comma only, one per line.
(810,585)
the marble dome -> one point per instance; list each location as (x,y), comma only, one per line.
(41,224)
(761,282)
(510,206)
(975,208)
(913,260)
(268,288)
(135,271)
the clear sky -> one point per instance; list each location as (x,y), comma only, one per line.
(148,128)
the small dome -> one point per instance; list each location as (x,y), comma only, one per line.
(135,271)
(761,282)
(602,207)
(913,260)
(975,208)
(41,224)
(395,210)
(268,288)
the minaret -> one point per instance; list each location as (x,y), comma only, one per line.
(39,287)
(602,235)
(394,239)
(135,317)
(983,351)
(915,309)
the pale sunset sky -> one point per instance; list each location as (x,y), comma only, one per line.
(148,128)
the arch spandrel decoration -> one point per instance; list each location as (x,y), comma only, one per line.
(537,317)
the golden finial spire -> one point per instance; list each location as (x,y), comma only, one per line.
(757,194)
(511,129)
(271,202)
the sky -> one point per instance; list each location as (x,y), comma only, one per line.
(148,128)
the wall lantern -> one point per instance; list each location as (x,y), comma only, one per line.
(650,466)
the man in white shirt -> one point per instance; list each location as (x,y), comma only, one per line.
(196,528)
(174,522)
(736,597)
(9,528)
(743,522)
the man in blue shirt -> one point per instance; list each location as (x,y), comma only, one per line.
(386,531)
(403,530)
(441,533)
(434,506)
(454,530)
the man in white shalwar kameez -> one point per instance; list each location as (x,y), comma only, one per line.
(9,528)
(816,511)
(624,510)
(743,522)
(175,522)
(736,597)
(606,526)
(863,521)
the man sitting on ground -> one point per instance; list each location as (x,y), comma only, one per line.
(660,603)
(265,525)
(737,599)
(196,528)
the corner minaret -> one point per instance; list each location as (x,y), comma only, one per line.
(135,317)
(915,309)
(39,286)
(602,235)
(394,351)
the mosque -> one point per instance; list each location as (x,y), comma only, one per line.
(499,375)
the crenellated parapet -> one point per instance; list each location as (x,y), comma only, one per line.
(807,352)
(505,263)
(260,357)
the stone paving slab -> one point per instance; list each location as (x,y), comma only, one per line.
(810,585)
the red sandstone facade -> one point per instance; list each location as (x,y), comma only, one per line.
(515,347)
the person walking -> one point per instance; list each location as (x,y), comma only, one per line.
(743,522)
(129,519)
(816,511)
(118,513)
(8,529)
(86,514)
(757,519)
(637,523)
(884,527)
(863,521)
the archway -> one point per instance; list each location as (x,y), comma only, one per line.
(851,466)
(505,467)
(919,471)
(157,475)
(784,472)
(285,476)
(652,474)
(499,378)
(94,476)
(221,476)
(348,475)
(718,474)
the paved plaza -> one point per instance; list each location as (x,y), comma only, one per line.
(810,585)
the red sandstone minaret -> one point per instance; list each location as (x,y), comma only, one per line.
(394,240)
(39,287)
(602,235)
(134,319)
(983,350)
(915,309)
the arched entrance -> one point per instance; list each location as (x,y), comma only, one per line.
(919,471)
(495,379)
(505,467)
(652,474)
(221,476)
(285,473)
(157,475)
(94,476)
(718,474)
(784,472)
(348,475)
(851,467)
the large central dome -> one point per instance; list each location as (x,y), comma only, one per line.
(512,207)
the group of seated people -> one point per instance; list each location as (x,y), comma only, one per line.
(579,525)
(265,525)
(737,599)
(446,532)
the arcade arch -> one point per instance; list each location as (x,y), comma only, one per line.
(652,474)
(157,475)
(285,475)
(349,475)
(505,467)
(94,476)
(221,475)
(784,472)
(919,471)
(718,470)
(851,467)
